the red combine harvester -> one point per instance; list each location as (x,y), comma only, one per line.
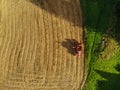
(78,48)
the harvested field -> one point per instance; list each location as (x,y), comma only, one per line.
(35,45)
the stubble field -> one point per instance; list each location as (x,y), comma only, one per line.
(35,45)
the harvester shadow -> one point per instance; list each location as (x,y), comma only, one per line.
(68,43)
(65,9)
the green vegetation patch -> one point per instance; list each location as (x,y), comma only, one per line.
(102,45)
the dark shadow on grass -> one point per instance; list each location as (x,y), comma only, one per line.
(117,67)
(116,30)
(62,8)
(112,81)
(101,17)
(69,43)
(118,9)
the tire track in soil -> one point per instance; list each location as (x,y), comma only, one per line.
(32,50)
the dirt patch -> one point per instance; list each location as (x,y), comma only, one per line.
(112,48)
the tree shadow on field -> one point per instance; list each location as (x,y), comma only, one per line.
(112,81)
(69,43)
(67,9)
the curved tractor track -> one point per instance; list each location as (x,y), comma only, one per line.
(32,56)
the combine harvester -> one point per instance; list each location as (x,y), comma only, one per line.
(78,48)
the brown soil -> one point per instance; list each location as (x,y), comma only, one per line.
(35,45)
